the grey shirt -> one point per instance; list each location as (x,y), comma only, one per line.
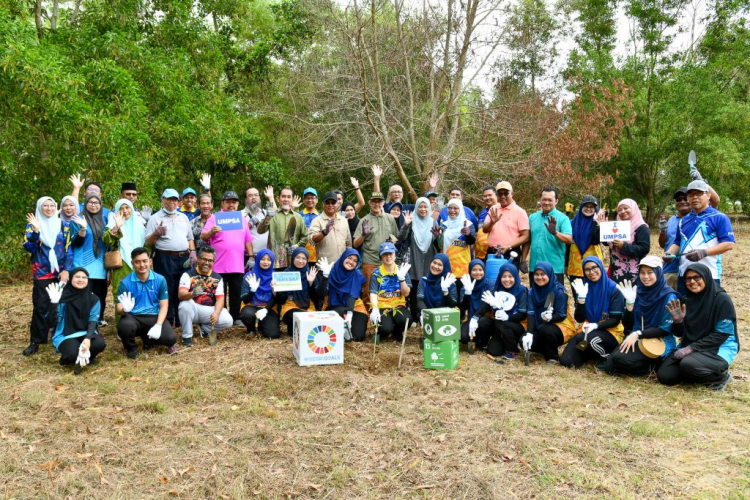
(179,231)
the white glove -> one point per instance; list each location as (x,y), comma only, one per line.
(261,314)
(468,284)
(581,289)
(489,299)
(147,212)
(55,292)
(348,318)
(628,291)
(84,357)
(547,315)
(325,266)
(473,325)
(253,282)
(526,341)
(155,332)
(375,316)
(126,301)
(446,282)
(421,318)
(589,327)
(403,271)
(206,181)
(501,315)
(270,212)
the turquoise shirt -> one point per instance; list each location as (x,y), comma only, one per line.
(544,246)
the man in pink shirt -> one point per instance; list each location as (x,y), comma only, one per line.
(231,246)
(507,225)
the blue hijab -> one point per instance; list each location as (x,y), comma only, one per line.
(479,287)
(343,283)
(600,292)
(301,297)
(517,289)
(582,227)
(433,294)
(538,294)
(650,301)
(264,295)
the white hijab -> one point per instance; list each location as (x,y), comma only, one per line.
(49,228)
(422,226)
(452,226)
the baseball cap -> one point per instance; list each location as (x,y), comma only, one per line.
(430,193)
(330,195)
(651,261)
(504,185)
(698,186)
(376,195)
(387,247)
(170,193)
(230,195)
(588,199)
(310,191)
(189,190)
(680,190)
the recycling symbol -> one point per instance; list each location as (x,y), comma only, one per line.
(446,330)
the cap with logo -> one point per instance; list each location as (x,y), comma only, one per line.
(387,247)
(376,195)
(230,195)
(189,190)
(310,191)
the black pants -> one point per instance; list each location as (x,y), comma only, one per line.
(41,318)
(359,322)
(413,301)
(547,339)
(505,337)
(68,349)
(601,344)
(288,320)
(99,288)
(484,331)
(232,289)
(130,326)
(171,267)
(269,327)
(695,368)
(393,322)
(633,363)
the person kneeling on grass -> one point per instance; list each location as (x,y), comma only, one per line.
(477,326)
(646,317)
(300,300)
(142,303)
(258,298)
(438,288)
(76,337)
(549,324)
(707,323)
(599,307)
(508,325)
(201,296)
(388,291)
(343,284)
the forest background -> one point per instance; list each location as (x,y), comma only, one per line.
(592,96)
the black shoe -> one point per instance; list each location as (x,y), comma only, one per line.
(147,346)
(77,369)
(187,342)
(132,354)
(32,349)
(720,386)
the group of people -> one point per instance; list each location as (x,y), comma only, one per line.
(181,267)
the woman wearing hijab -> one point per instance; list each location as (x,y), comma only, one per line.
(47,240)
(89,249)
(126,232)
(396,209)
(418,235)
(625,255)
(646,317)
(437,288)
(585,227)
(300,300)
(350,212)
(477,327)
(509,326)
(549,325)
(258,297)
(599,309)
(707,323)
(68,208)
(77,311)
(457,236)
(343,284)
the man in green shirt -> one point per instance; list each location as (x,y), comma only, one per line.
(550,233)
(286,228)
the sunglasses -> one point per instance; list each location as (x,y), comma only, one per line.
(696,278)
(680,198)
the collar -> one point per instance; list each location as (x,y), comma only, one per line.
(383,272)
(509,207)
(183,209)
(313,211)
(151,276)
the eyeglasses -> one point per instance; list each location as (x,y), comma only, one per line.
(680,198)
(591,270)
(696,278)
(94,203)
(208,261)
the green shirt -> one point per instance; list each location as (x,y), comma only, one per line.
(544,246)
(277,240)
(383,226)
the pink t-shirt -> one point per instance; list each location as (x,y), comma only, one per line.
(230,247)
(508,228)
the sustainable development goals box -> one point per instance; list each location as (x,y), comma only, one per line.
(318,338)
(442,324)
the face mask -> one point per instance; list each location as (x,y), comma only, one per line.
(169,212)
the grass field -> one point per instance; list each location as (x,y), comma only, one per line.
(243,421)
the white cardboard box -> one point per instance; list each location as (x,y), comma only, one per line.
(318,338)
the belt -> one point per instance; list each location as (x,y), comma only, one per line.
(184,253)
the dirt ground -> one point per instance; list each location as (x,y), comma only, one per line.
(242,420)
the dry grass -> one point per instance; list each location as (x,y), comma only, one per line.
(243,421)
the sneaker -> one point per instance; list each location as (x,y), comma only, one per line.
(102,323)
(132,354)
(720,386)
(553,362)
(238,322)
(172,349)
(32,349)
(510,356)
(500,360)
(77,369)
(187,342)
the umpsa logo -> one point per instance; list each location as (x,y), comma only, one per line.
(447,330)
(228,220)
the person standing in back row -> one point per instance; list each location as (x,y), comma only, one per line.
(507,226)
(550,232)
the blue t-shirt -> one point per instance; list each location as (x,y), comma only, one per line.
(147,294)
(704,230)
(674,266)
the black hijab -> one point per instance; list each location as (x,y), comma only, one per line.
(705,309)
(95,222)
(354,221)
(78,304)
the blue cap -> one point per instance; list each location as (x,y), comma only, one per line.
(170,193)
(387,247)
(309,191)
(189,191)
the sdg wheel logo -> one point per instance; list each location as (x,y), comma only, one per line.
(321,339)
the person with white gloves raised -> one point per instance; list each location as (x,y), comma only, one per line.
(142,303)
(438,287)
(599,309)
(343,284)
(77,311)
(389,287)
(509,320)
(477,326)
(259,298)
